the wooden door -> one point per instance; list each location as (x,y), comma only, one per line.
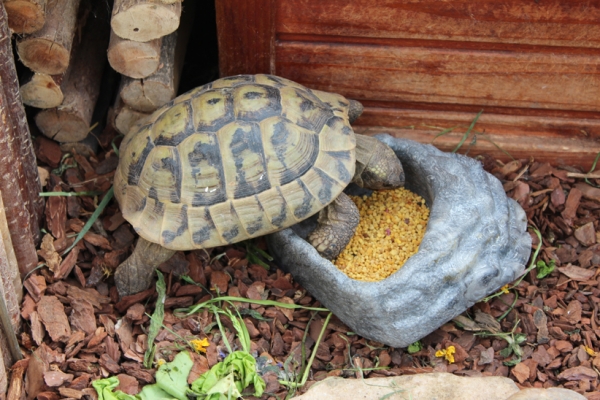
(422,67)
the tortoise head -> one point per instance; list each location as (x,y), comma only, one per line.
(377,166)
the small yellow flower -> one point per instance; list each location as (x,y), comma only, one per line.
(504,289)
(448,354)
(590,351)
(160,362)
(200,345)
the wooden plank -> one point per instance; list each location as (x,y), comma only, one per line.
(557,151)
(508,123)
(449,76)
(546,23)
(246,34)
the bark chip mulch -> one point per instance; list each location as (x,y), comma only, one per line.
(540,333)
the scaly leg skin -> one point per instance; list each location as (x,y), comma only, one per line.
(135,274)
(336,225)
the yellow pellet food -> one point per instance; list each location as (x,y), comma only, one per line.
(392,225)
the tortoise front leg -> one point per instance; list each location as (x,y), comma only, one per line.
(336,225)
(135,274)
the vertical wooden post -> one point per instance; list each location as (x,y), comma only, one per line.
(22,184)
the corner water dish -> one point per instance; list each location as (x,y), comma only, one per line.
(475,242)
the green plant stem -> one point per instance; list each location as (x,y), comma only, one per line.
(194,309)
(69,194)
(312,357)
(466,135)
(107,197)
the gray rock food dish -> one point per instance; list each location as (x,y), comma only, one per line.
(476,241)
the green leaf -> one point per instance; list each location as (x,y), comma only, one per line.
(156,320)
(415,347)
(172,377)
(543,269)
(230,377)
(105,387)
(512,362)
(154,392)
(505,352)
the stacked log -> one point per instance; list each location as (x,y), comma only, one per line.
(48,49)
(144,20)
(25,16)
(71,121)
(141,95)
(42,90)
(134,59)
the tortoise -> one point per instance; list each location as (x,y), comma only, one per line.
(241,157)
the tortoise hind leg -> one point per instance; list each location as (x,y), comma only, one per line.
(336,225)
(135,274)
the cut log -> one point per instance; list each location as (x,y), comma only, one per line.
(152,92)
(70,122)
(144,20)
(125,117)
(48,49)
(25,16)
(18,166)
(148,94)
(133,59)
(42,90)
(97,135)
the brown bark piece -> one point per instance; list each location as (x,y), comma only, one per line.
(577,273)
(52,314)
(57,378)
(25,16)
(134,59)
(578,373)
(70,122)
(144,20)
(82,316)
(16,388)
(67,265)
(48,50)
(47,151)
(128,384)
(588,192)
(570,211)
(586,234)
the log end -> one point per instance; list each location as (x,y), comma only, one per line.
(144,22)
(24,16)
(42,92)
(134,59)
(126,118)
(61,125)
(44,56)
(146,97)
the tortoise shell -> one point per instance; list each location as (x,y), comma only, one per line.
(237,158)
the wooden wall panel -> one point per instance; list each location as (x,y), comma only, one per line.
(246,29)
(420,66)
(544,22)
(414,74)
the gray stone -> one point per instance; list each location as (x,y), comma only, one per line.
(437,385)
(475,242)
(546,394)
